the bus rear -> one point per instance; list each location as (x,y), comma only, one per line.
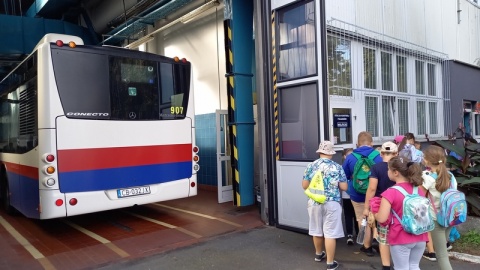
(115,129)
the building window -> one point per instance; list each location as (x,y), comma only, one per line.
(401,74)
(371,113)
(421,118)
(297,44)
(339,67)
(386,69)
(432,91)
(369,68)
(419,77)
(432,113)
(477,124)
(299,118)
(388,115)
(403,126)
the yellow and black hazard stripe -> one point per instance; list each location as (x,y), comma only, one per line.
(275,94)
(231,109)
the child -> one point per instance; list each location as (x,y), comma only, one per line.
(418,151)
(378,183)
(348,212)
(406,249)
(434,158)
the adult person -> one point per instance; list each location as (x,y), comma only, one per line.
(378,183)
(364,149)
(436,182)
(325,220)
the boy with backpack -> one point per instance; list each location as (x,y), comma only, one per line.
(357,169)
(404,209)
(322,180)
(449,204)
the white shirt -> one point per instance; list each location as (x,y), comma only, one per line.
(429,181)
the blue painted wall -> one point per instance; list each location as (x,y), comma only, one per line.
(205,136)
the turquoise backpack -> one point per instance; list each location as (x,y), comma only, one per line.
(418,212)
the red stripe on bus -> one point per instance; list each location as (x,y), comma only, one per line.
(23,170)
(117,157)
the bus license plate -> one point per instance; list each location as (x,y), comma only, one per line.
(135,191)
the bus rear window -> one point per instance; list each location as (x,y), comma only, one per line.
(93,85)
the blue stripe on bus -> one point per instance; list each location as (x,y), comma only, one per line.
(104,179)
(25,195)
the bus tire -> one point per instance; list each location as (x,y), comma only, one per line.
(5,194)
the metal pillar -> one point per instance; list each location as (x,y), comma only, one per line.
(238,27)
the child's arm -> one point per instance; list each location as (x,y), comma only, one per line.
(384,211)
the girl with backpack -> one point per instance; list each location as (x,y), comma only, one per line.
(406,248)
(437,180)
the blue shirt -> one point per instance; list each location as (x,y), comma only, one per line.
(349,166)
(379,171)
(332,174)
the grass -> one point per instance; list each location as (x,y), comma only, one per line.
(468,243)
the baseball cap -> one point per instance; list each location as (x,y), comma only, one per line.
(326,147)
(398,139)
(389,147)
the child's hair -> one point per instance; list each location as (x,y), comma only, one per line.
(418,145)
(346,152)
(408,136)
(408,169)
(435,155)
(364,138)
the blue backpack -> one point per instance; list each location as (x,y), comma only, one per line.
(453,206)
(417,215)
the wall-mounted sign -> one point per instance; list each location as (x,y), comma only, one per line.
(341,120)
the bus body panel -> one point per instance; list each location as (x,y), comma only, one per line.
(97,159)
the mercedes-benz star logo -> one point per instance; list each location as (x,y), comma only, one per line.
(132,115)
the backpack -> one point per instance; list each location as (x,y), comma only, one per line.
(316,189)
(453,206)
(417,210)
(361,171)
(406,152)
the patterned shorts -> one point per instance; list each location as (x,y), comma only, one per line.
(382,235)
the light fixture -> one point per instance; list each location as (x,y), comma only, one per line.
(184,19)
(140,41)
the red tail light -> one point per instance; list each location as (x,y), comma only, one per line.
(59,202)
(73,201)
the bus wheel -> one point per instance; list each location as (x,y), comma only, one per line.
(5,192)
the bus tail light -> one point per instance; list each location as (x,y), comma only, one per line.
(49,170)
(49,182)
(176,59)
(59,202)
(196,167)
(195,158)
(73,201)
(195,149)
(59,43)
(192,184)
(184,60)
(49,158)
(72,44)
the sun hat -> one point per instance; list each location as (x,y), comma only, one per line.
(389,147)
(326,147)
(398,139)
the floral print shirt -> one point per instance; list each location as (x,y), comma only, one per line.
(332,174)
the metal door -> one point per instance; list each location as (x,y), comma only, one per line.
(224,169)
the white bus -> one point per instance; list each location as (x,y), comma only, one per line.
(90,128)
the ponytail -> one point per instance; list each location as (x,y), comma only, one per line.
(443,178)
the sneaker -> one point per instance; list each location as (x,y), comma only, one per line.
(319,258)
(430,256)
(449,246)
(367,251)
(332,266)
(350,240)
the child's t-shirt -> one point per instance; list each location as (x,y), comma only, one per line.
(396,234)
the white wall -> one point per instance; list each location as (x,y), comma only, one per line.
(432,24)
(202,43)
